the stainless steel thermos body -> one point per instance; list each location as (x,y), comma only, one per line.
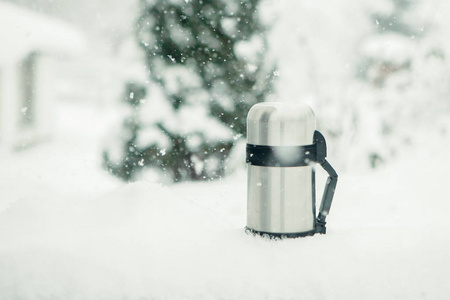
(281,200)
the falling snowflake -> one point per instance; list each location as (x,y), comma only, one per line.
(171,58)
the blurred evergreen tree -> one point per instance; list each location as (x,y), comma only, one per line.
(207,57)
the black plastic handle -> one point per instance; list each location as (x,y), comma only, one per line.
(330,186)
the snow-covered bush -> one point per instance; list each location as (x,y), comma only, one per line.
(123,157)
(405,76)
(376,73)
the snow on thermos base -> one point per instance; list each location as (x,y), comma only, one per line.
(282,148)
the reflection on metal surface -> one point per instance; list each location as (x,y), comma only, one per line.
(280,199)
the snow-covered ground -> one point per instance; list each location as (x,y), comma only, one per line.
(68,230)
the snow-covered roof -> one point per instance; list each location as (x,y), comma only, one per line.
(23,31)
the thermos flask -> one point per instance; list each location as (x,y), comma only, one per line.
(283,147)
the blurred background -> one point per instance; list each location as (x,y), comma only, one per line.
(95,92)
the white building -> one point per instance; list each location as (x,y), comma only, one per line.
(32,49)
